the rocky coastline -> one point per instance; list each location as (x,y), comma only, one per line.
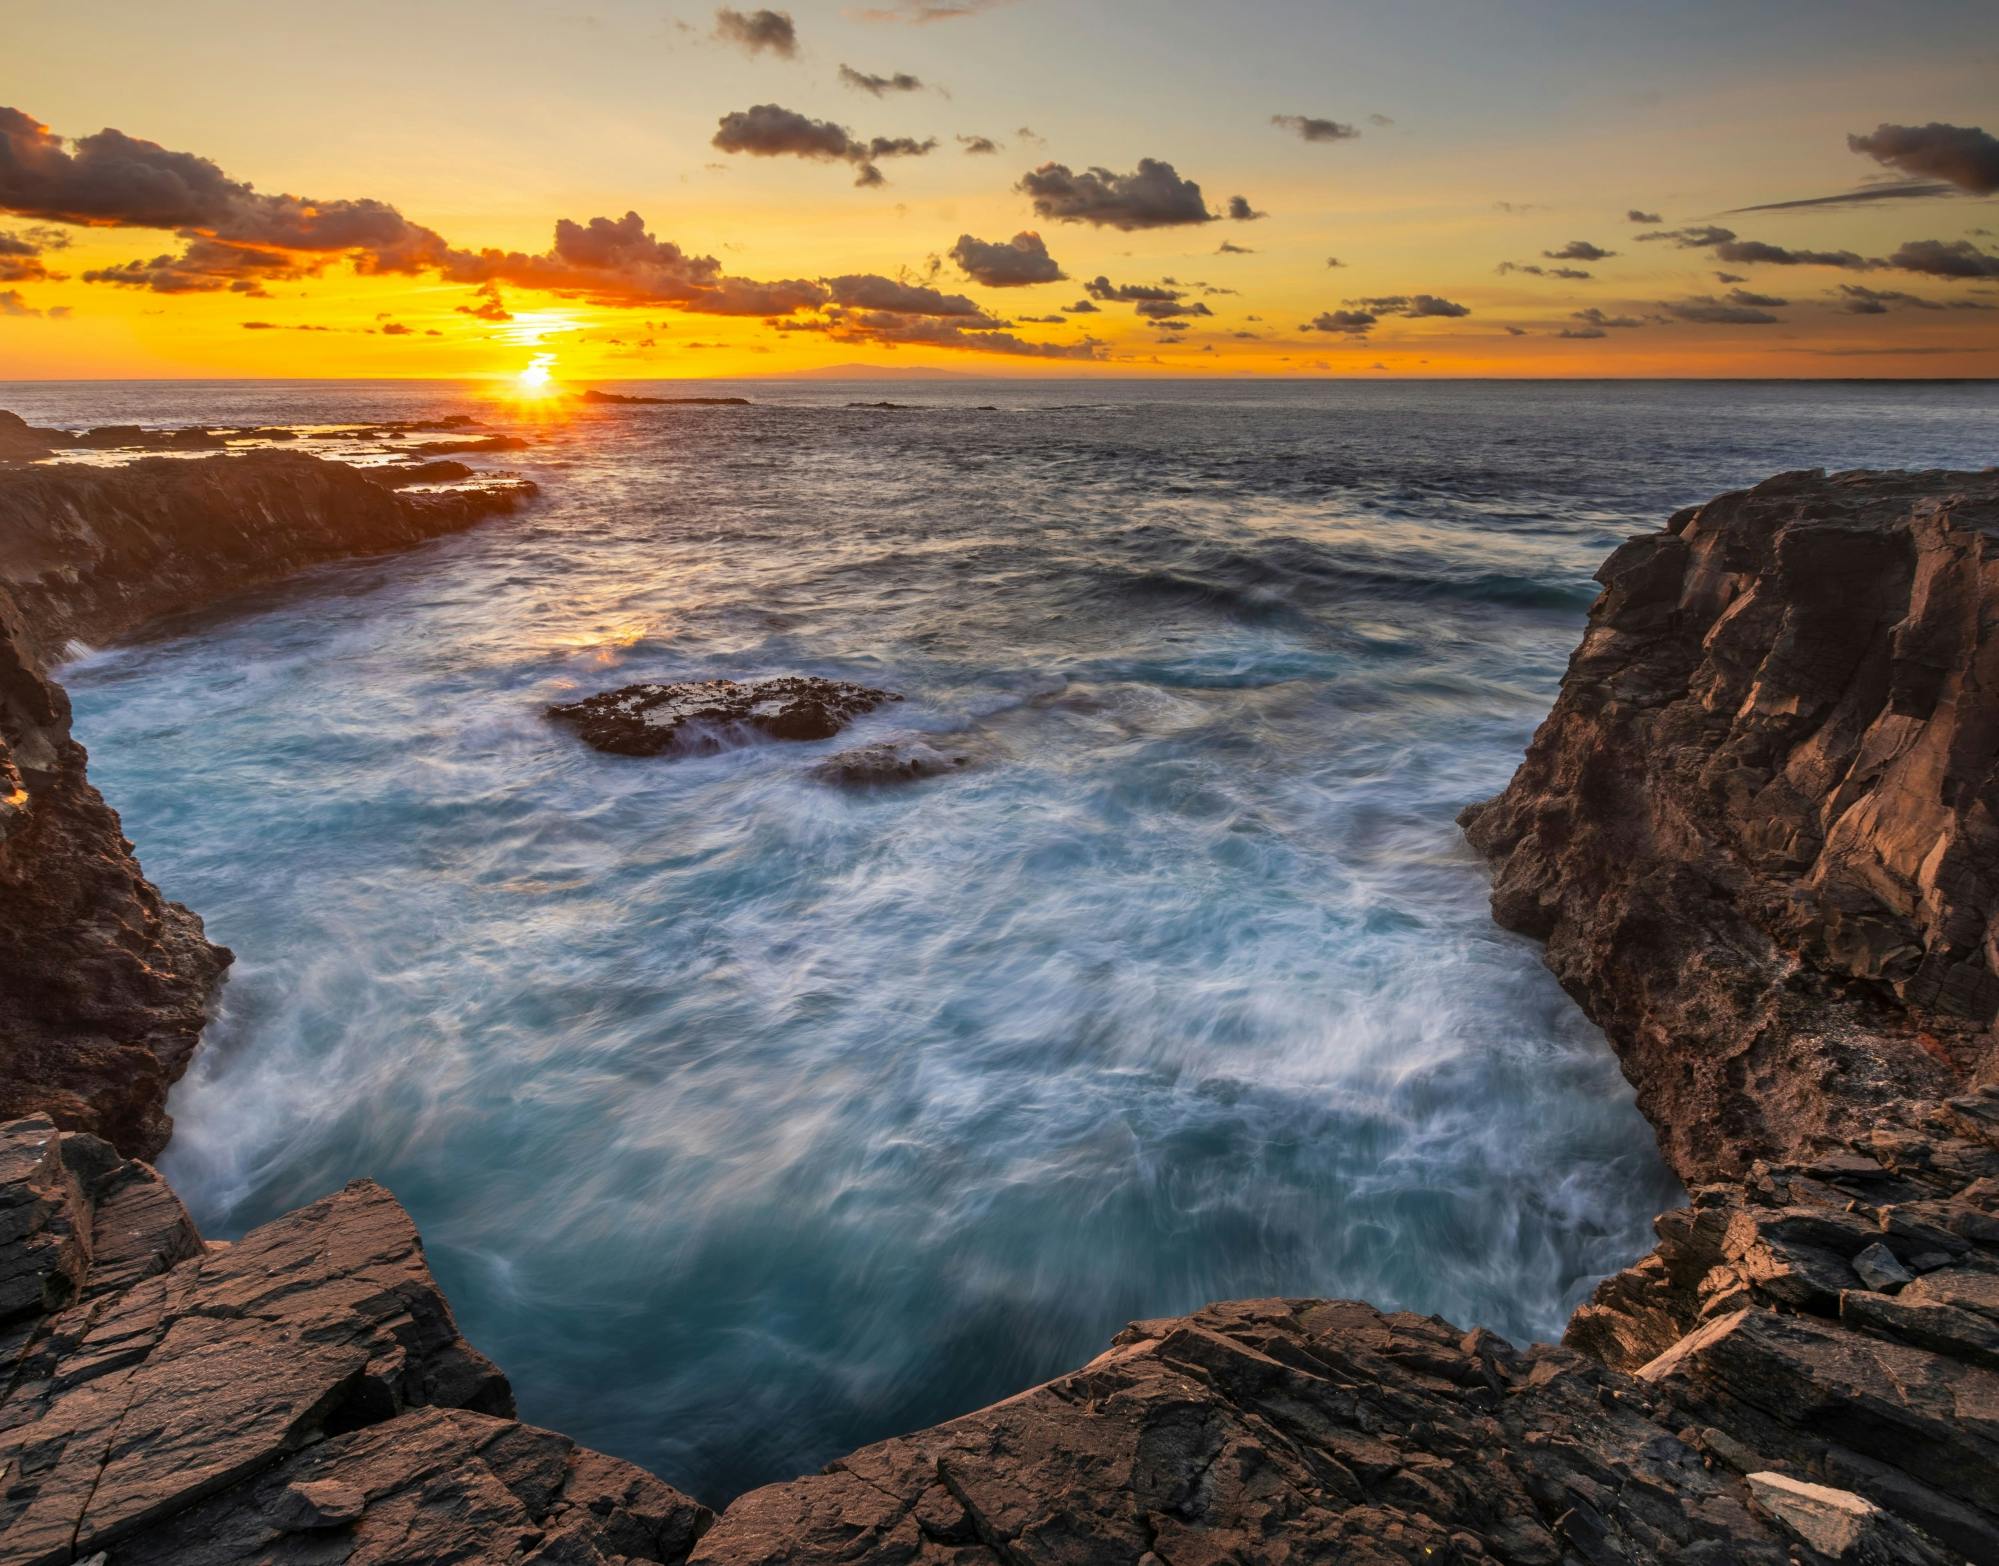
(1757,836)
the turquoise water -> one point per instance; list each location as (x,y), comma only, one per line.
(748,1120)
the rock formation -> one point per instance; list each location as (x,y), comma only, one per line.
(1756,833)
(906,760)
(104,984)
(649,720)
(302,1394)
(1760,830)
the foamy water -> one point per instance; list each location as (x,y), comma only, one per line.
(748,1120)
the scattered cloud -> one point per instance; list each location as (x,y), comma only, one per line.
(1856,300)
(978,144)
(1534,269)
(1960,155)
(921,13)
(1957,258)
(755,32)
(1636,215)
(769,131)
(490,306)
(1230,248)
(1348,323)
(1080,307)
(867,291)
(1021,260)
(1334,261)
(1310,128)
(1579,250)
(879,86)
(1595,317)
(1581,332)
(1707,310)
(1727,246)
(1155,196)
(1242,212)
(1892,190)
(1411,305)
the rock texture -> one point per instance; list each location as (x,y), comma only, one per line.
(300,1395)
(1760,830)
(649,720)
(95,553)
(104,984)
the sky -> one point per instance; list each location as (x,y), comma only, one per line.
(629,190)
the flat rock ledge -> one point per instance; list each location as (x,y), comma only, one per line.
(301,1395)
(652,719)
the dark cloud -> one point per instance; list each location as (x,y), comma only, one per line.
(1896,190)
(1751,252)
(866,291)
(769,131)
(1730,277)
(1310,128)
(1080,307)
(21,255)
(1856,300)
(1103,288)
(14,303)
(1348,323)
(1412,305)
(1334,261)
(891,330)
(1534,270)
(1229,248)
(1595,317)
(1242,212)
(1579,250)
(490,306)
(1023,259)
(209,266)
(1514,331)
(1582,332)
(1743,296)
(756,31)
(1707,310)
(978,144)
(397,329)
(1637,216)
(863,81)
(1163,310)
(1945,258)
(1153,197)
(1961,155)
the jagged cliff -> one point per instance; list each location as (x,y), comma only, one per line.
(104,984)
(1760,830)
(1756,834)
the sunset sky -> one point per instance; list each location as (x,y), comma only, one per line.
(999,187)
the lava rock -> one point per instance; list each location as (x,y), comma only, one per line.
(649,719)
(891,762)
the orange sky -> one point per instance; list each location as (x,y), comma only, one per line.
(1426,147)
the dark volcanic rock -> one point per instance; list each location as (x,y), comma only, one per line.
(301,1395)
(96,552)
(892,761)
(1760,830)
(646,720)
(104,984)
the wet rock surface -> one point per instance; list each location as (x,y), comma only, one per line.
(1760,830)
(651,719)
(302,1394)
(905,760)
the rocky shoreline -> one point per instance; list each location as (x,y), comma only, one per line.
(1757,835)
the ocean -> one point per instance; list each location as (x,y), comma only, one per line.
(749,1119)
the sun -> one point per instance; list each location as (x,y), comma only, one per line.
(538,379)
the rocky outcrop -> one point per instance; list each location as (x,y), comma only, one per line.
(300,1395)
(906,760)
(104,984)
(1760,830)
(94,553)
(650,720)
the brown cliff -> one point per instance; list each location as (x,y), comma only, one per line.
(1760,830)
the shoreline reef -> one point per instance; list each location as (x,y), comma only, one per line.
(1759,835)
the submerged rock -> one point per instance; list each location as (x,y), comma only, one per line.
(591,394)
(892,761)
(650,719)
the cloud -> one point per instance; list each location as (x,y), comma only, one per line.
(1743,296)
(1334,261)
(21,255)
(755,31)
(1101,287)
(1856,300)
(1533,270)
(490,306)
(978,144)
(1896,190)
(1961,155)
(1411,305)
(397,329)
(862,81)
(1164,310)
(1349,323)
(1080,307)
(1941,258)
(1230,248)
(1579,250)
(1242,212)
(13,303)
(1580,332)
(866,291)
(768,131)
(211,266)
(1153,197)
(1707,310)
(1635,215)
(1022,260)
(1309,128)
(920,13)
(1750,252)
(1595,317)
(891,330)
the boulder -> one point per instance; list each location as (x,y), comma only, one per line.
(651,719)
